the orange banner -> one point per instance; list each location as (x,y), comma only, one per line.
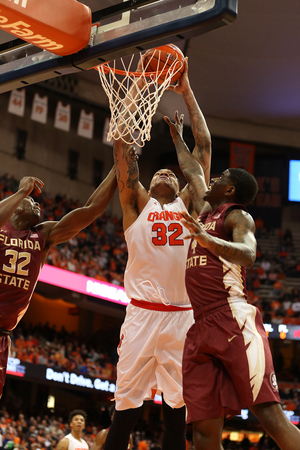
(62,27)
(242,155)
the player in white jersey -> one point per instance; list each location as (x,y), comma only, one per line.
(159,314)
(73,440)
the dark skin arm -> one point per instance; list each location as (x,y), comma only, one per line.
(99,440)
(202,149)
(190,167)
(72,223)
(133,196)
(11,203)
(238,224)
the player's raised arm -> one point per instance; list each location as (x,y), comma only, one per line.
(11,203)
(190,167)
(202,149)
(133,195)
(73,222)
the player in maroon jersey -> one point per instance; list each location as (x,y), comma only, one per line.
(25,243)
(227,363)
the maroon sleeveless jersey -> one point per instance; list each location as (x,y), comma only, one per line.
(211,280)
(20,264)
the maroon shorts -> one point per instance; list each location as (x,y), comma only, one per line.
(227,363)
(4,348)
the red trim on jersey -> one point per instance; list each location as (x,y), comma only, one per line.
(153,393)
(157,306)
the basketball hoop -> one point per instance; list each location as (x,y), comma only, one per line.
(136,113)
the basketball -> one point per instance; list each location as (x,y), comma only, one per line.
(161,58)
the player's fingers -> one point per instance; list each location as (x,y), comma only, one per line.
(186,65)
(133,154)
(187,216)
(171,87)
(183,213)
(189,236)
(187,225)
(38,181)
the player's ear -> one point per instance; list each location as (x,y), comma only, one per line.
(230,191)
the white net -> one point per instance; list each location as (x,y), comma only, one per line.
(134,96)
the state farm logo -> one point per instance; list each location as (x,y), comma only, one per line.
(22,30)
(22,3)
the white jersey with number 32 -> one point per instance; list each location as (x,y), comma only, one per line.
(157,253)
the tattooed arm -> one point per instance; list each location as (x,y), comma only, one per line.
(133,196)
(202,149)
(238,224)
(193,171)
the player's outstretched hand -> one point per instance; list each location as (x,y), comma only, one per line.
(31,184)
(183,84)
(176,128)
(196,229)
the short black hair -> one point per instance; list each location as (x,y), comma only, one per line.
(245,184)
(77,412)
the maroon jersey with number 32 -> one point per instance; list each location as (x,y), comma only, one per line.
(21,260)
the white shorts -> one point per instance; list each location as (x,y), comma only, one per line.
(150,356)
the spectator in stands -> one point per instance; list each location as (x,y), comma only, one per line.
(266,264)
(277,288)
(69,356)
(296,306)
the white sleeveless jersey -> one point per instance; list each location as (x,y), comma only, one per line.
(75,444)
(157,254)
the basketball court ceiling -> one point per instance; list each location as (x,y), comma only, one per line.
(248,71)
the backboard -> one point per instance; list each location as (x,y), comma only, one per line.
(120,28)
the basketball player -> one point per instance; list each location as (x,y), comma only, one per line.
(159,315)
(24,245)
(73,440)
(227,362)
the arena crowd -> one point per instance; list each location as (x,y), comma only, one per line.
(100,252)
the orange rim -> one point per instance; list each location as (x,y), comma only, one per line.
(107,68)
